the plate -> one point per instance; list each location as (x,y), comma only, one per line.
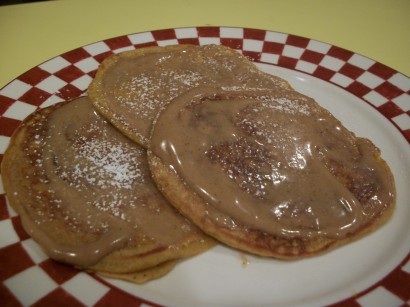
(370,98)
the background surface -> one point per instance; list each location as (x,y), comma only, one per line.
(35,32)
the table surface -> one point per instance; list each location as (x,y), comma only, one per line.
(33,33)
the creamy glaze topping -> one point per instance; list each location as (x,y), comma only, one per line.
(273,161)
(137,88)
(96,183)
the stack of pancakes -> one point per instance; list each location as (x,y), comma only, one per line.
(177,146)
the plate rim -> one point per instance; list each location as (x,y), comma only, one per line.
(293,41)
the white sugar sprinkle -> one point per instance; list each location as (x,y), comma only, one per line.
(110,164)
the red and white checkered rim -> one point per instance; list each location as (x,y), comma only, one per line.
(68,75)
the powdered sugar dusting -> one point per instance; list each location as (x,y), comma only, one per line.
(147,92)
(96,158)
(135,90)
(287,105)
(110,164)
(99,165)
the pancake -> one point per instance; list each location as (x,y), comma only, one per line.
(85,194)
(143,276)
(269,172)
(130,88)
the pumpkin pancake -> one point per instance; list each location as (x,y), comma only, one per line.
(143,276)
(130,88)
(269,172)
(85,194)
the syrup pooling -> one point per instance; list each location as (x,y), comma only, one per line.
(274,161)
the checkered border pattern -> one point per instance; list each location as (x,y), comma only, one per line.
(67,76)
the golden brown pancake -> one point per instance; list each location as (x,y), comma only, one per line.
(130,88)
(269,172)
(143,276)
(85,194)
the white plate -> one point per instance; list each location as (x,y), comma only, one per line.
(368,97)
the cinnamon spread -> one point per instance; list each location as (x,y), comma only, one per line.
(274,161)
(95,181)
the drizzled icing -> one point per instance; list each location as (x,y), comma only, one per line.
(273,161)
